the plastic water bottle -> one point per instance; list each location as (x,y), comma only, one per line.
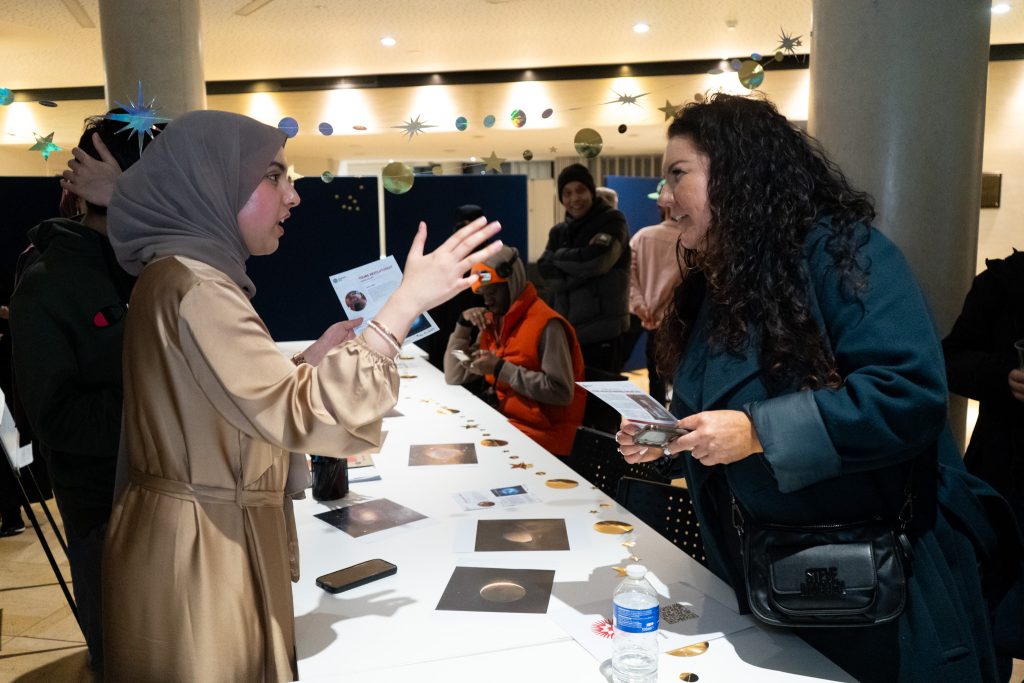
(635,615)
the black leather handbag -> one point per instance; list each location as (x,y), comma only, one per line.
(828,575)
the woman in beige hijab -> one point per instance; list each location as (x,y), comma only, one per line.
(201,544)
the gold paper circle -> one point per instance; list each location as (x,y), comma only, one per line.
(407,376)
(397,177)
(486,503)
(502,591)
(493,442)
(751,74)
(406,357)
(610,526)
(690,650)
(689,677)
(588,143)
(562,483)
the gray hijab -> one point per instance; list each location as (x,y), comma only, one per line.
(183,197)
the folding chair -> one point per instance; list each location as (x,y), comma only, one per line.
(595,457)
(665,508)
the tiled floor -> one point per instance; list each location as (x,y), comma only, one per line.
(39,638)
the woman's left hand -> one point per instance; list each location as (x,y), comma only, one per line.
(718,437)
(338,333)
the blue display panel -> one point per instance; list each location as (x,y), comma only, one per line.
(334,228)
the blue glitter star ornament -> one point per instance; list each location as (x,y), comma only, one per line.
(413,127)
(139,119)
(6,97)
(44,146)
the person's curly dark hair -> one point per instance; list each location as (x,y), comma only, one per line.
(768,184)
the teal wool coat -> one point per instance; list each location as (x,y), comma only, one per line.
(835,455)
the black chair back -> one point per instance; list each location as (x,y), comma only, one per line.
(596,458)
(665,508)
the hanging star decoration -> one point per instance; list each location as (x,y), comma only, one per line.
(493,163)
(787,43)
(670,110)
(413,127)
(553,149)
(139,118)
(44,146)
(627,99)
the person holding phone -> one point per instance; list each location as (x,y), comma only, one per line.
(201,544)
(810,376)
(527,353)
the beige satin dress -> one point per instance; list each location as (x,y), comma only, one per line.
(200,548)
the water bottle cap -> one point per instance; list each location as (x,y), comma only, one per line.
(636,571)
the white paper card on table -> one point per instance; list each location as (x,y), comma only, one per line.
(363,291)
(19,456)
(503,497)
(630,402)
(687,616)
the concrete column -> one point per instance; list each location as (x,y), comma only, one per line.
(898,101)
(156,42)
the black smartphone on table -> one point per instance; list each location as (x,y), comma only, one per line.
(356,575)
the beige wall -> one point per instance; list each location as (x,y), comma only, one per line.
(1002,229)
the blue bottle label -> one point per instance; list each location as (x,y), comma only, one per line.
(636,620)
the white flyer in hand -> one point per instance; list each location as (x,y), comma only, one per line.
(363,291)
(630,402)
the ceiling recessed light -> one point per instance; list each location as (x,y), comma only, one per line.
(1001,8)
(388,41)
(641,27)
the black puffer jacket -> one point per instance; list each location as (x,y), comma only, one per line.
(585,267)
(979,356)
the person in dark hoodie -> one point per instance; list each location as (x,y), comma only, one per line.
(67,317)
(585,266)
(525,350)
(981,363)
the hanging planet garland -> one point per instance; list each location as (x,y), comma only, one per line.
(327,176)
(461,123)
(518,118)
(288,126)
(397,177)
(528,155)
(489,120)
(588,143)
(751,74)
(326,128)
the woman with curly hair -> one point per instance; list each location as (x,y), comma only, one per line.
(808,371)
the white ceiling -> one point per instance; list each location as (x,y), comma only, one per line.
(43,46)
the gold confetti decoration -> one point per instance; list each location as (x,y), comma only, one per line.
(605,505)
(502,591)
(609,526)
(486,503)
(406,357)
(593,512)
(562,483)
(689,677)
(629,544)
(541,474)
(621,571)
(493,442)
(522,466)
(690,650)
(513,457)
(447,411)
(407,376)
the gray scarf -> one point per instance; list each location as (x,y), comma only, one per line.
(183,197)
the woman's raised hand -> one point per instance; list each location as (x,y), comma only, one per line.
(431,279)
(91,179)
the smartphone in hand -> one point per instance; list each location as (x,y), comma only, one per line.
(356,575)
